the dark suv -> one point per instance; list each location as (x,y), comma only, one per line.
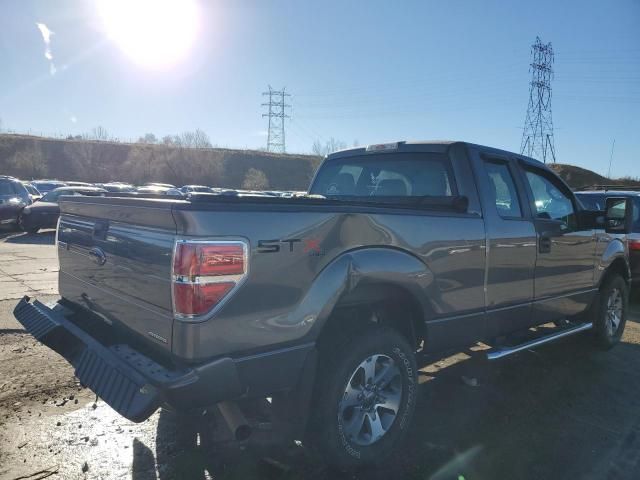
(595,197)
(13,198)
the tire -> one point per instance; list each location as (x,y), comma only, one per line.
(611,312)
(347,415)
(21,226)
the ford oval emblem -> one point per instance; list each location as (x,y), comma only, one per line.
(98,255)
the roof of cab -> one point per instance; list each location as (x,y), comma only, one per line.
(436,146)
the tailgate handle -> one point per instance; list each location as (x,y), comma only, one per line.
(100,229)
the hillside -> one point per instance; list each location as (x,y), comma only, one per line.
(102,161)
(580,177)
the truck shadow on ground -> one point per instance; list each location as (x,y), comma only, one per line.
(539,414)
(46,237)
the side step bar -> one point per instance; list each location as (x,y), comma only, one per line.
(565,332)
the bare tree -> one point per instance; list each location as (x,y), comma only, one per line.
(148,138)
(255,180)
(323,149)
(201,139)
(100,133)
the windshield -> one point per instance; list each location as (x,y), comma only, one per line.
(385,175)
(45,187)
(119,188)
(31,189)
(54,195)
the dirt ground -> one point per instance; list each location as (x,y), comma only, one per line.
(565,410)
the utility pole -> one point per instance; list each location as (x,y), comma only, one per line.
(276,114)
(537,137)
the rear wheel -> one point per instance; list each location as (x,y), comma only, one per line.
(611,314)
(365,397)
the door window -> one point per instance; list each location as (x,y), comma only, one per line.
(551,202)
(503,189)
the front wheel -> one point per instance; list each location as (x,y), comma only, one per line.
(365,397)
(25,226)
(611,314)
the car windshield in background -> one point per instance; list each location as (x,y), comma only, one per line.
(54,195)
(45,187)
(31,189)
(397,175)
(119,188)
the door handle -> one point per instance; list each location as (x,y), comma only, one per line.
(544,244)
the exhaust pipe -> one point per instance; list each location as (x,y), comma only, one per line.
(235,420)
(503,352)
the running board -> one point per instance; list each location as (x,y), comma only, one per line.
(565,332)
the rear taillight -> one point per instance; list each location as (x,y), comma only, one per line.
(634,245)
(205,273)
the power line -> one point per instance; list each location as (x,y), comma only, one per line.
(276,114)
(537,136)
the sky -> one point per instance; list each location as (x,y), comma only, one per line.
(358,71)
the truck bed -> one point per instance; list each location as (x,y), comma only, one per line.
(292,241)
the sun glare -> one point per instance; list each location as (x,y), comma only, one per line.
(153,33)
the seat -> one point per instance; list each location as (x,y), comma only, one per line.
(391,188)
(430,183)
(343,184)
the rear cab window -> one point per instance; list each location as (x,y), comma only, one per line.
(402,176)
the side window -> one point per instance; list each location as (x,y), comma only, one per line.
(6,188)
(503,189)
(550,201)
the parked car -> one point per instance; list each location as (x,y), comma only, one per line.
(155,184)
(45,213)
(13,198)
(45,186)
(326,304)
(34,194)
(196,189)
(595,198)
(159,190)
(117,187)
(73,183)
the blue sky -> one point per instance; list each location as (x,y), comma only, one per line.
(365,71)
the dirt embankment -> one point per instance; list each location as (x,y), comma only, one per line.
(102,161)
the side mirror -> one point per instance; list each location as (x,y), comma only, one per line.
(619,215)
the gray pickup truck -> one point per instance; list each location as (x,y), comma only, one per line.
(327,304)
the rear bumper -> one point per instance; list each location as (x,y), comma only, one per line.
(38,220)
(131,383)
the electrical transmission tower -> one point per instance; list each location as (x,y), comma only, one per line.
(537,137)
(276,114)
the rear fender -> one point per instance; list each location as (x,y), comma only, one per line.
(369,265)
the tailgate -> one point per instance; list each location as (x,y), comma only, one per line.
(115,259)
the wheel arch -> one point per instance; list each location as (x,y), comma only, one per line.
(614,261)
(383,285)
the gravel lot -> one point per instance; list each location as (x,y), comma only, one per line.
(563,411)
